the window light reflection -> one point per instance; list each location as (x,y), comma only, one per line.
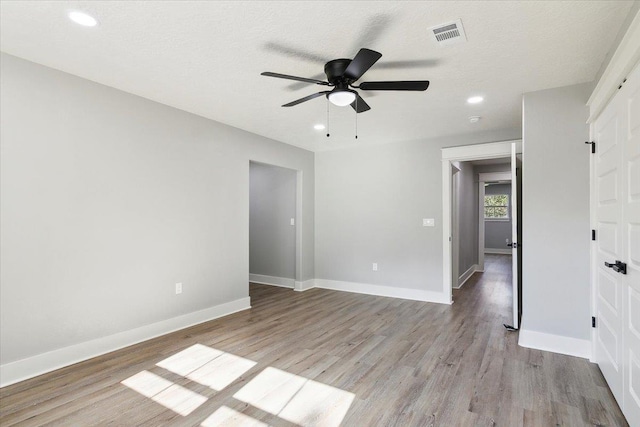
(207,366)
(296,399)
(290,397)
(172,396)
(225,416)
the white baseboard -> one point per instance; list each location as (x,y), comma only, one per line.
(305,286)
(555,343)
(30,367)
(498,251)
(384,291)
(466,276)
(272,280)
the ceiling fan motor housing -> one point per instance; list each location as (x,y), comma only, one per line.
(335,70)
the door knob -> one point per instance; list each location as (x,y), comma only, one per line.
(513,245)
(618,267)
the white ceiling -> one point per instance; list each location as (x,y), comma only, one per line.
(206,58)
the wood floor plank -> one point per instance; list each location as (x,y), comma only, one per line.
(321,357)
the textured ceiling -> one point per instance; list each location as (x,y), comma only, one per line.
(206,58)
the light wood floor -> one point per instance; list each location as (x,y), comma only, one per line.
(389,361)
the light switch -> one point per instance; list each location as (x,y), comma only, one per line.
(293,221)
(375,266)
(428,222)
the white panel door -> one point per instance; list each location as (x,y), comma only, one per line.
(617,218)
(609,248)
(630,138)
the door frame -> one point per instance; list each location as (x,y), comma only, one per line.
(593,303)
(455,225)
(492,150)
(298,285)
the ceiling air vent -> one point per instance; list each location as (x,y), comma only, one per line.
(449,33)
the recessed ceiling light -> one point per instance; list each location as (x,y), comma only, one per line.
(83,19)
(319,126)
(475,100)
(474,119)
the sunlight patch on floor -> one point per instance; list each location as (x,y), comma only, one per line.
(221,371)
(228,417)
(172,396)
(189,359)
(207,366)
(296,399)
(290,397)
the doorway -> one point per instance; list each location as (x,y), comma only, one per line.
(455,224)
(464,223)
(273,225)
(456,159)
(495,222)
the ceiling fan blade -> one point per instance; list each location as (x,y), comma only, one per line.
(300,79)
(416,85)
(306,98)
(302,85)
(361,63)
(360,105)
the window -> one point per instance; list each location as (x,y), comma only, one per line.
(496,206)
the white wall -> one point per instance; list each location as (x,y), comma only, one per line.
(272,238)
(108,200)
(370,203)
(555,243)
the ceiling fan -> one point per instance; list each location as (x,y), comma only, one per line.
(343,73)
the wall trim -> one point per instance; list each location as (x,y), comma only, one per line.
(466,276)
(283,282)
(494,176)
(305,286)
(384,291)
(555,343)
(490,150)
(20,370)
(498,251)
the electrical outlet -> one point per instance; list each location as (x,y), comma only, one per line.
(375,266)
(428,222)
(178,288)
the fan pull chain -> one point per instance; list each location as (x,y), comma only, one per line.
(328,118)
(356,117)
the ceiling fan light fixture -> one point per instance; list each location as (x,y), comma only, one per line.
(342,98)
